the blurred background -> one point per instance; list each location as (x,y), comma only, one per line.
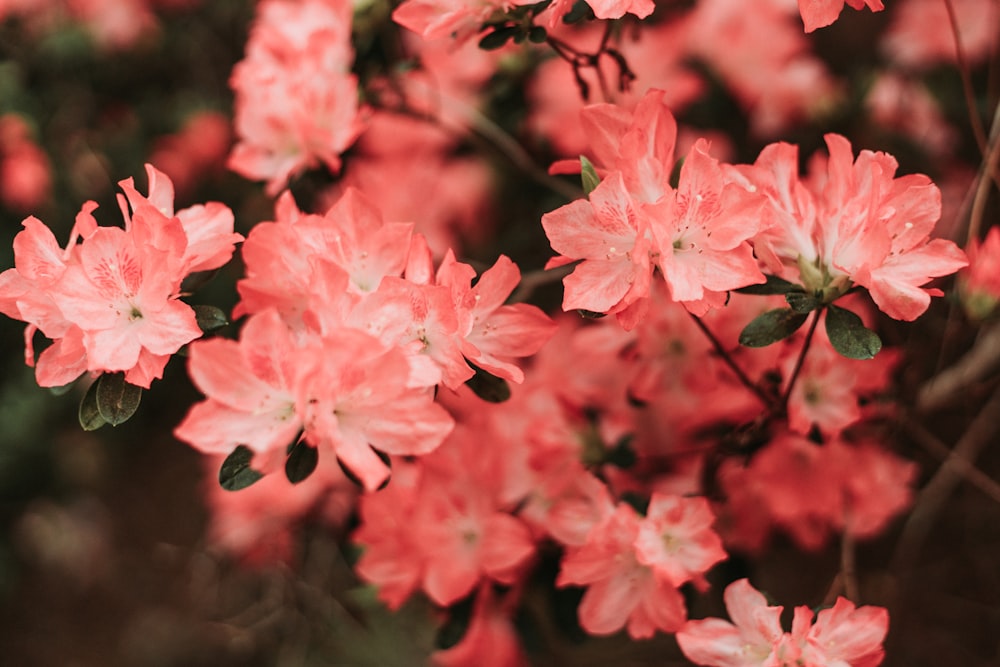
(106,556)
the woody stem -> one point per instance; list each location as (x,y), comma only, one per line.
(728,359)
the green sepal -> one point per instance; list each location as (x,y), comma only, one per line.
(236,473)
(802,302)
(849,336)
(770,327)
(588,175)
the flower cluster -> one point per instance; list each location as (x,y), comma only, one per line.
(634,222)
(296,100)
(843,635)
(852,223)
(350,330)
(735,395)
(110,299)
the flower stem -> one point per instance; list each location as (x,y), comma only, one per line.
(783,404)
(728,359)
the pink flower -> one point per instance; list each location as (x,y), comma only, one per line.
(853,222)
(437,19)
(843,636)
(111,302)
(496,333)
(25,172)
(676,540)
(750,640)
(296,102)
(821,13)
(447,530)
(979,284)
(250,387)
(920,34)
(621,591)
(491,639)
(702,231)
(611,233)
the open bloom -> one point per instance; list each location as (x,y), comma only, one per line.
(852,222)
(844,636)
(111,302)
(821,13)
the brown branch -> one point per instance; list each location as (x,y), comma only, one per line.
(977,364)
(973,475)
(932,498)
(964,73)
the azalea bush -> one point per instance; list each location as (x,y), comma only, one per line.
(505,334)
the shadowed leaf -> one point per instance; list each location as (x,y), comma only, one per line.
(117,400)
(236,473)
(301,461)
(770,327)
(90,416)
(849,336)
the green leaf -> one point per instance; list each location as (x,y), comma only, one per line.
(498,38)
(537,34)
(802,302)
(581,11)
(849,336)
(117,400)
(90,416)
(590,314)
(588,175)
(774,285)
(459,618)
(539,7)
(770,327)
(301,461)
(622,455)
(236,473)
(488,386)
(209,318)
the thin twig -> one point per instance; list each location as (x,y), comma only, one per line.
(933,444)
(977,364)
(846,579)
(498,138)
(963,70)
(988,171)
(801,360)
(931,500)
(727,358)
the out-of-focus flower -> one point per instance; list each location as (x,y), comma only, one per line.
(25,172)
(920,33)
(979,283)
(296,100)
